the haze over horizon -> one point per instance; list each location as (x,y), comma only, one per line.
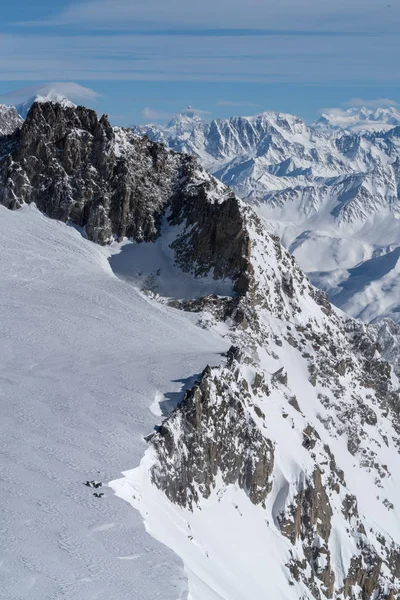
(141,63)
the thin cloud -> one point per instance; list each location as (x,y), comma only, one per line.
(280,59)
(72,91)
(156,115)
(378,103)
(197,111)
(159,115)
(234,103)
(152,99)
(307,15)
(337,112)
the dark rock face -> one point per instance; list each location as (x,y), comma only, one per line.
(217,237)
(211,433)
(364,573)
(311,512)
(309,519)
(76,167)
(68,163)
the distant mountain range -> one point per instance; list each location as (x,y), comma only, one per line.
(360,119)
(330,191)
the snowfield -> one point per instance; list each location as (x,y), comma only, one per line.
(83,357)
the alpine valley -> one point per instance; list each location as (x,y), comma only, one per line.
(158,339)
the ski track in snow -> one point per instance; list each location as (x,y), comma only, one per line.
(83,357)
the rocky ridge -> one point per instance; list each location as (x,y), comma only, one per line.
(226,431)
(302,415)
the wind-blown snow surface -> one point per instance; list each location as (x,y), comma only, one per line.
(228,548)
(329,190)
(83,357)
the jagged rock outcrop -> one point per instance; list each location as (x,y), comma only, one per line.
(112,183)
(67,161)
(216,237)
(211,434)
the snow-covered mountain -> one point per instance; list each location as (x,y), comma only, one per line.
(49,96)
(9,120)
(332,195)
(64,92)
(272,470)
(359,120)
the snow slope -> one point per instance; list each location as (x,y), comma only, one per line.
(83,357)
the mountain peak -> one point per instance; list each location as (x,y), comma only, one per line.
(62,92)
(185,121)
(359,119)
(51,96)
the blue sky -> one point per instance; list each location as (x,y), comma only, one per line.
(144,60)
